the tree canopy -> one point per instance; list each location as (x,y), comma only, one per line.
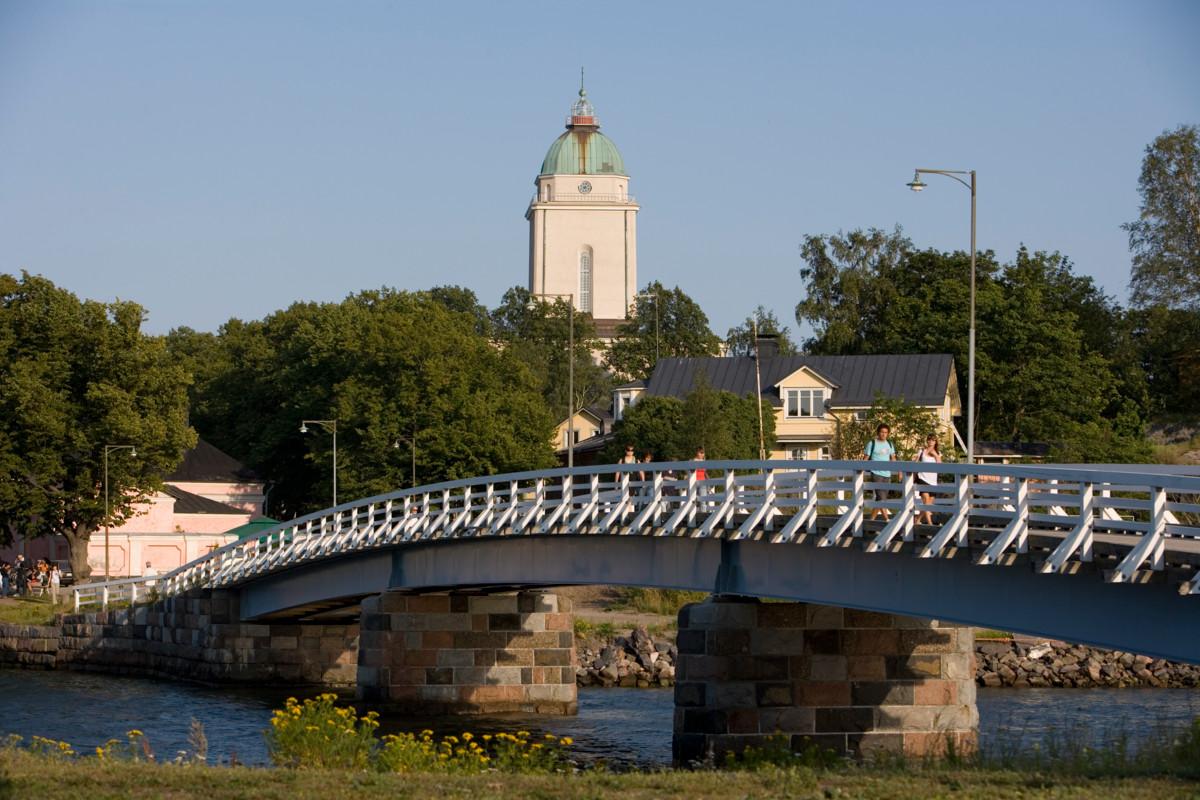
(665,323)
(1054,359)
(670,429)
(393,368)
(76,376)
(1165,239)
(739,341)
(537,333)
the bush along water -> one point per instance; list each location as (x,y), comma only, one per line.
(317,734)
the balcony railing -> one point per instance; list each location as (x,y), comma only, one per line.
(590,197)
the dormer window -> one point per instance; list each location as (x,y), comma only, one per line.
(801,403)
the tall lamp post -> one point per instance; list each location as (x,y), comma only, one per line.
(109,448)
(570,367)
(331,426)
(653,297)
(412,441)
(917,185)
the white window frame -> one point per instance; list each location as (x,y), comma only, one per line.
(587,270)
(795,399)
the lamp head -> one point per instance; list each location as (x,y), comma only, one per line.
(917,184)
(133,452)
(303,428)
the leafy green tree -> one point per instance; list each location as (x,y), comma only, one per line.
(537,333)
(1055,355)
(393,368)
(740,339)
(76,376)
(909,426)
(680,329)
(1165,239)
(725,425)
(1168,346)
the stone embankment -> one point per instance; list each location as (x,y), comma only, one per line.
(634,660)
(1021,665)
(195,636)
(641,660)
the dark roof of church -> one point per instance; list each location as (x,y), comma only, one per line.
(918,379)
(188,503)
(206,464)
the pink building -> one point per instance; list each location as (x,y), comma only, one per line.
(208,496)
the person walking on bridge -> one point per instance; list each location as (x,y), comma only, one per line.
(881,449)
(929,454)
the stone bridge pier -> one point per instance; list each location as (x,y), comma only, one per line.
(857,682)
(467,653)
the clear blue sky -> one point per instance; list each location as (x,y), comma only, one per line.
(215,160)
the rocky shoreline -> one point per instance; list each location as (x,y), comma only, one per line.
(1008,663)
(644,661)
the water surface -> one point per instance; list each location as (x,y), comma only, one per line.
(625,727)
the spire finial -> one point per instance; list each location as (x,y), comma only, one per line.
(582,91)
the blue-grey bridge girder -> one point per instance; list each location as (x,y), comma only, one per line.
(1143,618)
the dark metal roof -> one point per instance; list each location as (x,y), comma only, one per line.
(918,379)
(188,503)
(206,464)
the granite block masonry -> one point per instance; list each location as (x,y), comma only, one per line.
(856,682)
(466,653)
(197,635)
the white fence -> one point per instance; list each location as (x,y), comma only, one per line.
(1146,513)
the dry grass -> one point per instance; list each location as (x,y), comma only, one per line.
(23,775)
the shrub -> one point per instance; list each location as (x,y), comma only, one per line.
(317,734)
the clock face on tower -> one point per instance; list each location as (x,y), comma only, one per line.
(585,187)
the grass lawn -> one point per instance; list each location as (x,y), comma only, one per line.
(25,775)
(30,611)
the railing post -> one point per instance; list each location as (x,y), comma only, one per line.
(1086,518)
(104,597)
(859,499)
(76,593)
(1158,526)
(909,506)
(1022,507)
(132,593)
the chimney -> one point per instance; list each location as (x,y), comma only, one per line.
(767,345)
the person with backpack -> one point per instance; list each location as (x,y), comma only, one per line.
(881,449)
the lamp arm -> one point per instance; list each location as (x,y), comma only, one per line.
(949,173)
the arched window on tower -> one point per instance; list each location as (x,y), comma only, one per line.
(585,279)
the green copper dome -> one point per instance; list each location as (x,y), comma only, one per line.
(583,149)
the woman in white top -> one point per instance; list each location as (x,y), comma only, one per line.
(929,454)
(55,583)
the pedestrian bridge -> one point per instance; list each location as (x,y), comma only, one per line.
(1097,554)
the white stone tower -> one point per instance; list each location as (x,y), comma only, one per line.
(583,223)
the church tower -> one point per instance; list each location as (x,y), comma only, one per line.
(583,223)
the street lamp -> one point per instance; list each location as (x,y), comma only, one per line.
(917,185)
(108,448)
(654,297)
(570,367)
(329,425)
(412,440)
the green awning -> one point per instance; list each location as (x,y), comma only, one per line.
(253,527)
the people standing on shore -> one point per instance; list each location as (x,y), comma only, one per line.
(4,568)
(929,454)
(881,449)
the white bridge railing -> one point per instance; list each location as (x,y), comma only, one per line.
(1144,513)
